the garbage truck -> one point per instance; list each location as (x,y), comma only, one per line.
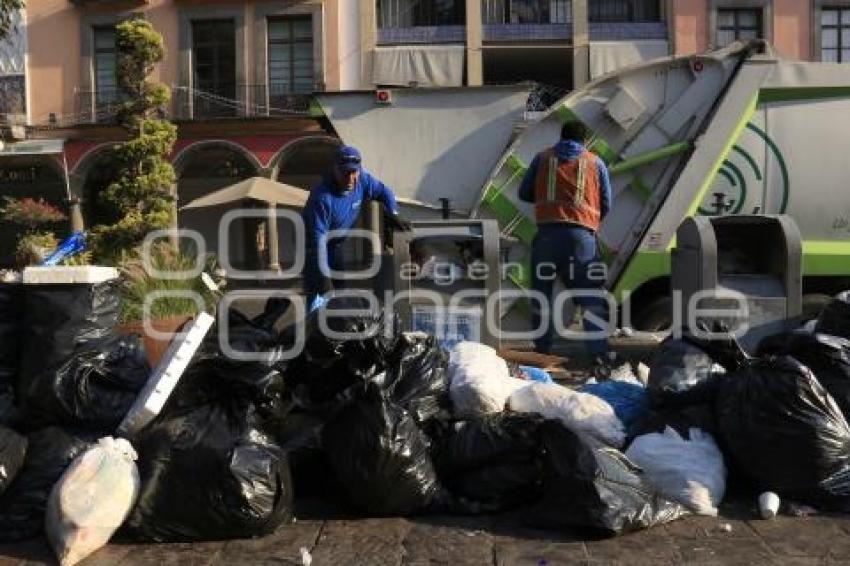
(734,131)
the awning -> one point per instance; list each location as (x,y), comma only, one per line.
(255,188)
(424,65)
(32,147)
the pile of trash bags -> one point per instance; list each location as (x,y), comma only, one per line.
(392,424)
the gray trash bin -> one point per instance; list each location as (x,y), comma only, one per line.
(445,271)
(759,257)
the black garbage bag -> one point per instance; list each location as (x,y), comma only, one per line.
(13,450)
(594,487)
(784,431)
(22,506)
(58,319)
(380,457)
(827,356)
(496,460)
(835,318)
(93,388)
(208,475)
(681,373)
(680,419)
(328,366)
(300,436)
(11,313)
(416,378)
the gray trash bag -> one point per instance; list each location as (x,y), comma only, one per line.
(13,451)
(595,487)
(380,457)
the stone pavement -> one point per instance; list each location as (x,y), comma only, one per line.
(497,540)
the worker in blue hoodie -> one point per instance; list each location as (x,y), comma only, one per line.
(571,192)
(335,204)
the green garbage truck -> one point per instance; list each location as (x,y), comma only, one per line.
(734,131)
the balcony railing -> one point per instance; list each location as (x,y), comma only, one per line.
(623,11)
(526,11)
(98,107)
(274,99)
(420,13)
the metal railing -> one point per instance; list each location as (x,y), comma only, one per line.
(621,11)
(98,106)
(526,11)
(274,99)
(418,13)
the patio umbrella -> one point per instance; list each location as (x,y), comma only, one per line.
(261,189)
(254,188)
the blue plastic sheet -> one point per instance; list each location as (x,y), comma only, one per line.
(629,401)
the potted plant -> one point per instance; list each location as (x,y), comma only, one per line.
(166,315)
(33,216)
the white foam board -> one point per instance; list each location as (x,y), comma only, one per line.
(165,376)
(69,274)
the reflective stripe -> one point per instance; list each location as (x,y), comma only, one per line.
(580,180)
(553,171)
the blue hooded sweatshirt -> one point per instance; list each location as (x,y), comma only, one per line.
(330,208)
(566,150)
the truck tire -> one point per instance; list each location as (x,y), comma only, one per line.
(656,316)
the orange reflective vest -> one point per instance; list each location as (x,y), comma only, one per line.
(568,191)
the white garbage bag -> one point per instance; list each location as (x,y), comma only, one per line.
(688,471)
(92,499)
(480,382)
(582,413)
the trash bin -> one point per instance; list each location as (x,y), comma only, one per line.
(758,257)
(444,273)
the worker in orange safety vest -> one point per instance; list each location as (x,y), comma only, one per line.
(571,192)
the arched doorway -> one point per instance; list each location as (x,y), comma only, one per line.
(203,168)
(303,163)
(30,176)
(97,170)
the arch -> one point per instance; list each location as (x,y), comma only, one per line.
(311,156)
(181,159)
(89,158)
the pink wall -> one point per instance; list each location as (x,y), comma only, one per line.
(792,28)
(53,59)
(54,66)
(690,26)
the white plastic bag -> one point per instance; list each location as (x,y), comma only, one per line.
(690,472)
(92,499)
(582,413)
(480,380)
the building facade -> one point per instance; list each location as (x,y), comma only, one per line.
(242,74)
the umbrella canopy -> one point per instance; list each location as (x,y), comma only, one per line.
(256,188)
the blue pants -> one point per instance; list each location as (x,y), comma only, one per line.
(566,251)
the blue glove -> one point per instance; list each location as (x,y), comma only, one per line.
(70,246)
(318,302)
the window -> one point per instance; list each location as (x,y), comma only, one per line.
(735,24)
(835,35)
(105,64)
(214,67)
(290,57)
